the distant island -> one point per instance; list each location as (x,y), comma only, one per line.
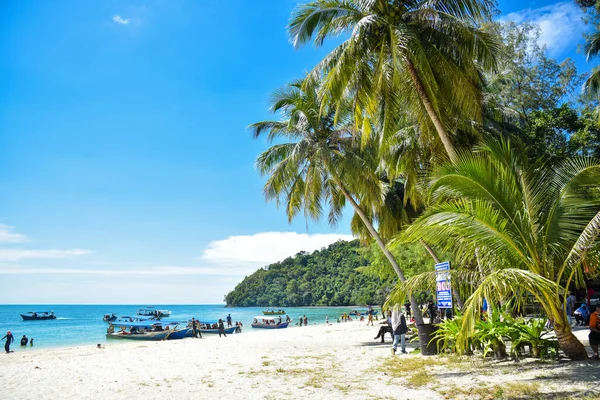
(326,277)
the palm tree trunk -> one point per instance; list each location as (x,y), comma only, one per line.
(458,300)
(567,342)
(435,119)
(413,302)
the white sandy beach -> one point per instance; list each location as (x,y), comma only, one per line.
(336,361)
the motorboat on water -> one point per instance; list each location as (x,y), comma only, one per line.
(146,330)
(151,312)
(269,311)
(125,319)
(362,312)
(38,315)
(267,322)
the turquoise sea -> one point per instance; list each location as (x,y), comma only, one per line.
(82,324)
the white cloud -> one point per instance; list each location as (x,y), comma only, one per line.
(264,248)
(23,254)
(561,25)
(119,20)
(8,236)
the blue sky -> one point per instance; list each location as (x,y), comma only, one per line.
(126,170)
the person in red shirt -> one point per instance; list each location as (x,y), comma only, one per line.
(594,336)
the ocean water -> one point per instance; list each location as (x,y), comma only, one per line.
(83,324)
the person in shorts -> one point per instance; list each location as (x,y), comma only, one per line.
(594,336)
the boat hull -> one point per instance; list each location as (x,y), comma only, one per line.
(228,331)
(149,336)
(262,326)
(38,318)
(180,334)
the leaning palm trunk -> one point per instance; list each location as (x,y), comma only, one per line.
(435,119)
(567,342)
(413,302)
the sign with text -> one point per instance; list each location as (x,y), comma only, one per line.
(444,288)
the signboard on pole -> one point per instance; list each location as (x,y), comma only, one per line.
(444,288)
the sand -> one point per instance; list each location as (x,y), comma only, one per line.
(317,362)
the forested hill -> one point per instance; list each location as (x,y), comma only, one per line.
(326,277)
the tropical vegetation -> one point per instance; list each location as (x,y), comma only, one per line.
(451,133)
(326,277)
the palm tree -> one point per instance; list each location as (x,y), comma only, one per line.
(532,230)
(591,86)
(321,163)
(414,59)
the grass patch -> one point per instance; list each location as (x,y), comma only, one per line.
(506,391)
(419,379)
(315,382)
(342,388)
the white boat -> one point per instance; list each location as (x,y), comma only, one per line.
(271,322)
(151,312)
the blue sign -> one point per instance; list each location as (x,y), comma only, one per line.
(444,288)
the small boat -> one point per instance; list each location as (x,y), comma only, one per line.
(150,330)
(125,319)
(109,318)
(38,315)
(273,312)
(270,323)
(363,312)
(151,312)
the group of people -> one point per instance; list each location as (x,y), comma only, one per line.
(10,339)
(302,320)
(345,317)
(395,325)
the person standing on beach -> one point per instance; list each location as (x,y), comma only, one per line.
(305,321)
(9,339)
(570,306)
(432,311)
(594,336)
(399,328)
(370,317)
(229,323)
(221,328)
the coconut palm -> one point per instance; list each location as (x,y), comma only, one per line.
(531,230)
(417,60)
(320,162)
(592,49)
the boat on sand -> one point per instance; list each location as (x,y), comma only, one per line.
(146,330)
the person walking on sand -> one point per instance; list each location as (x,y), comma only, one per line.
(399,328)
(9,339)
(221,328)
(594,336)
(370,320)
(570,306)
